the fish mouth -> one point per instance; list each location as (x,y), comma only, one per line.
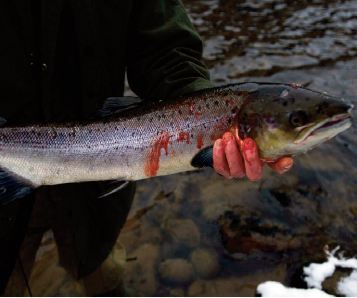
(327,128)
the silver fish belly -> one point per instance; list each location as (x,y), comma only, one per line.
(159,142)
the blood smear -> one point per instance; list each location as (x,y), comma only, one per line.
(153,160)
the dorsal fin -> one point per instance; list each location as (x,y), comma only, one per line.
(115,105)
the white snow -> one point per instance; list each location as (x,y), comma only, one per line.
(348,285)
(315,274)
(276,289)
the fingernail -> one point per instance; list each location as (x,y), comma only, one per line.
(248,144)
(249,149)
(287,164)
(227,137)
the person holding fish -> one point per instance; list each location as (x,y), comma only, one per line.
(62,59)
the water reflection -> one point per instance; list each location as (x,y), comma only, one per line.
(246,38)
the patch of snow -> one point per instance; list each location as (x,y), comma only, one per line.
(317,273)
(315,276)
(348,286)
(276,289)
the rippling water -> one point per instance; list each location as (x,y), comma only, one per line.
(245,38)
(199,234)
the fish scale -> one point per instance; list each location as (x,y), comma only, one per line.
(159,138)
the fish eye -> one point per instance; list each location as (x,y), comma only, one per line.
(298,118)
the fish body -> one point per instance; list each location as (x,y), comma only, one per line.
(165,137)
(159,140)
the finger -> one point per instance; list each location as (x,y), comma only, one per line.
(238,139)
(219,159)
(233,156)
(282,165)
(252,162)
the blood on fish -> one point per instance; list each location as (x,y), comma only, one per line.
(153,160)
(198,115)
(192,108)
(200,140)
(230,102)
(220,128)
(184,136)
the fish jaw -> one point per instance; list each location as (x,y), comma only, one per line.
(326,129)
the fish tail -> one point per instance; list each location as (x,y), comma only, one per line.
(12,187)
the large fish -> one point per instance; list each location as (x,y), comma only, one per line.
(167,137)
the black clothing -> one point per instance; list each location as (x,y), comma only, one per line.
(60,59)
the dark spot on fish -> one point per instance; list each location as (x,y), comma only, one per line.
(54,134)
(191,136)
(216,102)
(285,103)
(320,108)
(307,98)
(199,108)
(163,116)
(180,112)
(207,105)
(133,134)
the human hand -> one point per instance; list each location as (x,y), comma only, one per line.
(236,158)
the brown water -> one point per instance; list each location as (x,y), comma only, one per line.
(199,234)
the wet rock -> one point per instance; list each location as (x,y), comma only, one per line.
(177,292)
(235,286)
(353,210)
(329,285)
(177,271)
(140,273)
(183,231)
(205,262)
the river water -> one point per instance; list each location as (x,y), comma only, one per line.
(199,234)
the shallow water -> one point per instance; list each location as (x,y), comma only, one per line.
(199,234)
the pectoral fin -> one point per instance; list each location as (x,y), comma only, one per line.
(204,158)
(114,189)
(12,187)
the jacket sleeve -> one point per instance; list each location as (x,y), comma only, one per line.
(164,51)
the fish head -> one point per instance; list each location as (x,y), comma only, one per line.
(287,120)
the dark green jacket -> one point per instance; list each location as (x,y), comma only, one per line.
(64,64)
(59,60)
